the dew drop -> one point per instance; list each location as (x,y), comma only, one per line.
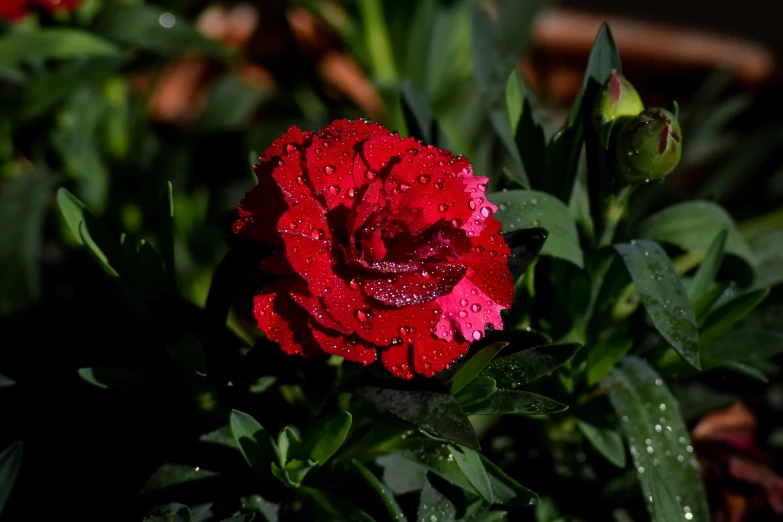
(405,187)
(329,170)
(475,307)
(477,335)
(351,193)
(317,233)
(363,315)
(334,190)
(443,207)
(486,212)
(424,179)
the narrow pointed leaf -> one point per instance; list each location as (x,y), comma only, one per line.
(528,365)
(475,364)
(705,275)
(703,305)
(478,390)
(10,461)
(727,315)
(51,43)
(603,357)
(470,463)
(515,403)
(744,350)
(435,413)
(325,507)
(395,511)
(167,230)
(663,296)
(664,501)
(653,427)
(520,209)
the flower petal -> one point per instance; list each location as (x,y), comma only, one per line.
(432,355)
(468,310)
(401,290)
(398,360)
(282,320)
(352,348)
(330,160)
(487,264)
(308,244)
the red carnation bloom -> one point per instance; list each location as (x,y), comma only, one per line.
(15,9)
(385,244)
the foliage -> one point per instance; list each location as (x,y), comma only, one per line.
(131,356)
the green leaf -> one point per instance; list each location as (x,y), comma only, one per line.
(708,270)
(705,221)
(175,474)
(394,509)
(231,103)
(525,245)
(499,119)
(474,366)
(256,445)
(325,437)
(96,251)
(436,457)
(479,389)
(603,59)
(703,305)
(189,352)
(434,506)
(417,113)
(516,402)
(528,365)
(76,140)
(50,44)
(664,502)
(519,209)
(607,441)
(287,443)
(169,513)
(244,517)
(259,505)
(730,313)
(88,374)
(663,296)
(153,29)
(470,463)
(658,438)
(435,413)
(10,461)
(324,507)
(743,350)
(602,357)
(23,206)
(6,382)
(515,98)
(167,230)
(48,89)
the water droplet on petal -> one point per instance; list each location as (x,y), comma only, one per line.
(363,315)
(486,212)
(477,335)
(424,179)
(334,190)
(329,170)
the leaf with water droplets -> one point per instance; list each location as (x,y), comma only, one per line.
(520,209)
(394,509)
(478,390)
(435,413)
(705,221)
(169,475)
(474,365)
(434,506)
(525,245)
(515,403)
(528,365)
(664,502)
(656,434)
(663,296)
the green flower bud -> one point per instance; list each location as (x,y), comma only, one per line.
(649,146)
(617,98)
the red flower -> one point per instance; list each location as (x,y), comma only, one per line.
(385,244)
(14,9)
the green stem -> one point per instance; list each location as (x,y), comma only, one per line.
(614,213)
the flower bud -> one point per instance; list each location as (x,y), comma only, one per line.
(648,146)
(617,98)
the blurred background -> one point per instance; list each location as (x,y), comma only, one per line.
(199,91)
